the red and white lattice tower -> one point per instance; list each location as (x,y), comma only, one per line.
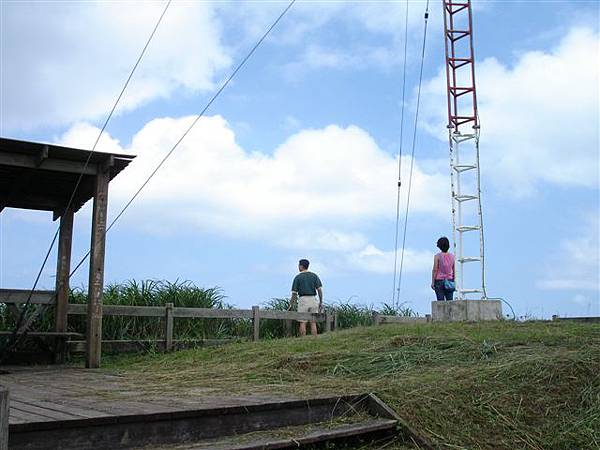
(463,134)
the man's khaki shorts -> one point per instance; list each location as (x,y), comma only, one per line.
(308,304)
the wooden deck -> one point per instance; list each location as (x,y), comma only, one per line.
(69,408)
(46,394)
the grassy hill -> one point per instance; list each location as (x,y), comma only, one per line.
(498,385)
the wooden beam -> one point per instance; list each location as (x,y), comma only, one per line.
(96,279)
(37,202)
(291,315)
(18,296)
(63,269)
(118,310)
(56,165)
(213,313)
(45,334)
(42,156)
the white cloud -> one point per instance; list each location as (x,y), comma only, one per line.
(319,190)
(323,239)
(67,61)
(382,42)
(578,267)
(540,119)
(372,259)
(84,135)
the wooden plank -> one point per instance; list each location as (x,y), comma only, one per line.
(119,310)
(64,405)
(51,413)
(169,327)
(4,414)
(291,315)
(256,323)
(45,334)
(18,296)
(327,322)
(28,417)
(96,278)
(208,313)
(320,437)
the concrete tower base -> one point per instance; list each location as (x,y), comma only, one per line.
(466,310)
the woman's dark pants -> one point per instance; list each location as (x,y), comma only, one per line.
(441,293)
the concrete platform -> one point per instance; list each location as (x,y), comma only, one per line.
(466,310)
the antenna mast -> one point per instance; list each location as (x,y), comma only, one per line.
(463,138)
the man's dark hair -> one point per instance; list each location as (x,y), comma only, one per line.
(304,263)
(443,244)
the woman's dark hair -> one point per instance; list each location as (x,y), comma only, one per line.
(443,244)
(304,263)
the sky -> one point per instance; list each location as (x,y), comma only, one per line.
(298,158)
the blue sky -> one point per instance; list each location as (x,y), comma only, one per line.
(298,157)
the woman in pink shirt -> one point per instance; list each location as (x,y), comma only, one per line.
(443,271)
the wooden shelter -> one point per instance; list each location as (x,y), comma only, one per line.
(44,177)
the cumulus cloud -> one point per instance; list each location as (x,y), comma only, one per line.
(579,265)
(66,61)
(540,119)
(373,259)
(319,189)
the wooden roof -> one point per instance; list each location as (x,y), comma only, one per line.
(42,176)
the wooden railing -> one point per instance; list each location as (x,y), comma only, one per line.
(169,313)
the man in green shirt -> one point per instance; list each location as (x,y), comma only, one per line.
(305,287)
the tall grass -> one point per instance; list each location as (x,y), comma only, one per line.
(187,294)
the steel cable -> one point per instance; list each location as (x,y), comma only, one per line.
(394,301)
(414,140)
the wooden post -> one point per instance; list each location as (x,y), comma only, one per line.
(4,410)
(335,321)
(96,280)
(376,318)
(256,323)
(327,322)
(428,318)
(288,326)
(63,269)
(169,327)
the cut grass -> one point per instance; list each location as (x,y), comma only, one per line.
(501,385)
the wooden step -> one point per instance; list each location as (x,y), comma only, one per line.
(297,437)
(41,426)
